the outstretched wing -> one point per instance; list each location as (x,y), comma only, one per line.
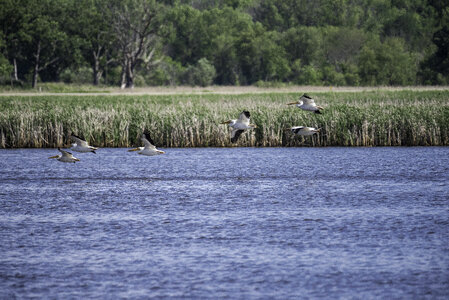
(147,141)
(65,153)
(79,141)
(244,117)
(235,134)
(307,100)
(296,129)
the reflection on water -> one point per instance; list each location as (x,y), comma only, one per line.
(226,223)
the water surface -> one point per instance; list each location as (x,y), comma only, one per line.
(240,223)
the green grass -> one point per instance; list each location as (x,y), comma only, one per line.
(370,118)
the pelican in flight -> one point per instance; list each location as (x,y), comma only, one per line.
(240,125)
(65,157)
(303,130)
(81,145)
(150,148)
(305,102)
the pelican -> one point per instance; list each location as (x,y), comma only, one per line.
(81,145)
(65,157)
(303,130)
(305,102)
(150,148)
(240,126)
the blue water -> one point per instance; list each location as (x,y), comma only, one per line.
(237,223)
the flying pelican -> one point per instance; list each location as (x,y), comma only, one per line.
(305,102)
(81,145)
(65,157)
(150,148)
(240,126)
(303,130)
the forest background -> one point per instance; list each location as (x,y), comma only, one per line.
(265,43)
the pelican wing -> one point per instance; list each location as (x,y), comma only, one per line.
(148,142)
(244,117)
(307,100)
(235,134)
(297,129)
(65,153)
(79,141)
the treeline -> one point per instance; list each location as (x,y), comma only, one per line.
(225,42)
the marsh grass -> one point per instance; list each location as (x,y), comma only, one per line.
(370,118)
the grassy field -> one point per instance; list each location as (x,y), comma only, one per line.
(378,117)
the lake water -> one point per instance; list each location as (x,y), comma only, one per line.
(236,223)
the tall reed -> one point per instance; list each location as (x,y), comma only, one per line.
(377,118)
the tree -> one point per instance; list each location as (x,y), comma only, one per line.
(437,64)
(387,63)
(90,21)
(42,35)
(263,58)
(136,27)
(202,73)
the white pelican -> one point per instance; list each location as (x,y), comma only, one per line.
(303,130)
(240,126)
(305,102)
(81,145)
(150,148)
(65,157)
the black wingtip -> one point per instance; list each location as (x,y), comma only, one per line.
(317,112)
(146,133)
(247,114)
(75,136)
(93,151)
(307,96)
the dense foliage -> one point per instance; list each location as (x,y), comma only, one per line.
(225,42)
(369,118)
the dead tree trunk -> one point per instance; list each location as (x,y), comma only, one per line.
(36,64)
(96,69)
(15,77)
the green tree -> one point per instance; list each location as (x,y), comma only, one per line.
(89,22)
(262,57)
(387,63)
(137,26)
(202,73)
(41,36)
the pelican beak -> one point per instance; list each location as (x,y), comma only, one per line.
(161,152)
(292,103)
(76,159)
(135,149)
(320,107)
(253,125)
(225,122)
(287,129)
(56,156)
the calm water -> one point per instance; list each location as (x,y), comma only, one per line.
(239,223)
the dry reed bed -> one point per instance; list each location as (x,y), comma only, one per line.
(370,118)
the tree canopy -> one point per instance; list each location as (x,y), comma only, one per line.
(225,42)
